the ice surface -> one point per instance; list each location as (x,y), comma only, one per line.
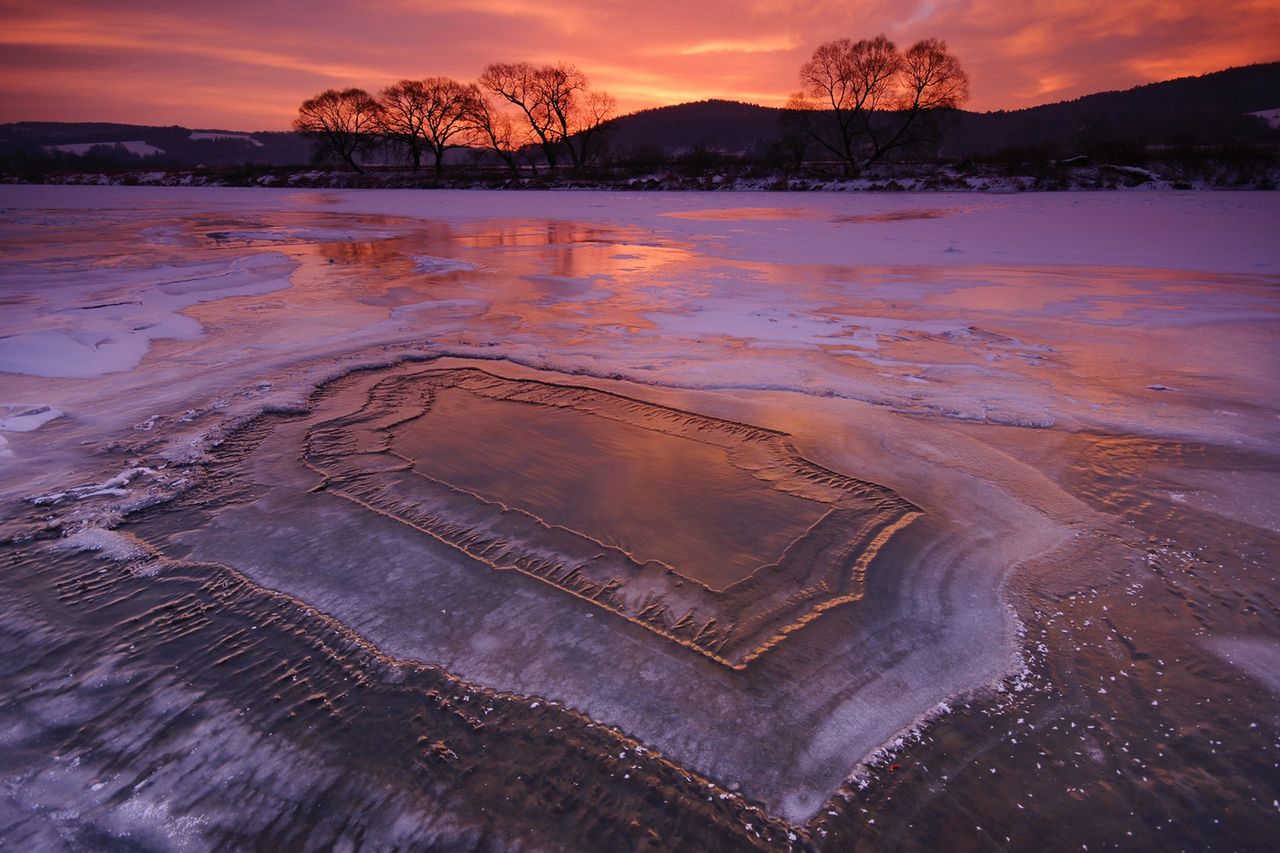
(116,486)
(1019,367)
(111,544)
(79,325)
(652,495)
(440,266)
(714,534)
(985,309)
(24,417)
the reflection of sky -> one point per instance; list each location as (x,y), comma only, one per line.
(247,65)
(612,481)
(677,301)
(635,295)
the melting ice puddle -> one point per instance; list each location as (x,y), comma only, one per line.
(711,533)
(616,482)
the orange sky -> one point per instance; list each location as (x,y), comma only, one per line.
(245,65)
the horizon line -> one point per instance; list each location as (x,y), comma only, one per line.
(729,100)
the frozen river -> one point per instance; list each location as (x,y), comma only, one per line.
(583,518)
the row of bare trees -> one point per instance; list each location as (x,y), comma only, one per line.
(858,101)
(512,107)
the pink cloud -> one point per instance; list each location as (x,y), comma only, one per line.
(246,65)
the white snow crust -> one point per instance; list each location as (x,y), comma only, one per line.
(243,137)
(133,146)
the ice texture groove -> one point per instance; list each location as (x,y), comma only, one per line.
(247,679)
(822,567)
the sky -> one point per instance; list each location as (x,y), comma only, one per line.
(247,64)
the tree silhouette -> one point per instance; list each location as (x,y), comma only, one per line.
(861,100)
(592,114)
(425,115)
(555,103)
(518,84)
(496,129)
(793,137)
(341,121)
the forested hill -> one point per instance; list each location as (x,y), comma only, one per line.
(95,144)
(1210,109)
(714,125)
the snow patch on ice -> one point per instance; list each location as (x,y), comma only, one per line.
(24,417)
(74,340)
(113,486)
(200,136)
(151,822)
(430,265)
(110,544)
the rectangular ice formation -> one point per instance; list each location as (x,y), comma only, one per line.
(714,534)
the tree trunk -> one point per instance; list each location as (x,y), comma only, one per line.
(894,140)
(575,159)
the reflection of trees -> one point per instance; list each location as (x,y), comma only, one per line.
(430,237)
(354,252)
(550,233)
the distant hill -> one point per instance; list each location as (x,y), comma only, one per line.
(1234,106)
(1212,108)
(715,125)
(1209,109)
(102,144)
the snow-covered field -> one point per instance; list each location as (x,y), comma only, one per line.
(966,351)
(133,146)
(243,137)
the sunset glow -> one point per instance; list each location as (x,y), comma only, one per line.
(246,66)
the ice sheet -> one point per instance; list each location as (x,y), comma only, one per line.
(901,338)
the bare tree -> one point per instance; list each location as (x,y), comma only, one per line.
(793,139)
(555,103)
(498,130)
(861,100)
(425,115)
(558,88)
(341,121)
(518,84)
(592,116)
(930,79)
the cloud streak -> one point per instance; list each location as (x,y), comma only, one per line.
(246,65)
(759,45)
